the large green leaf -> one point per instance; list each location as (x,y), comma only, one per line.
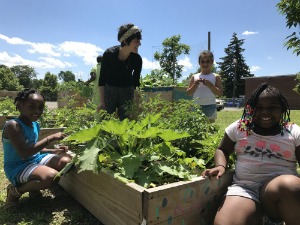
(85,135)
(89,160)
(163,148)
(130,164)
(146,178)
(152,132)
(178,171)
(171,135)
(117,127)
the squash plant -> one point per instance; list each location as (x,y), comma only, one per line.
(183,115)
(139,151)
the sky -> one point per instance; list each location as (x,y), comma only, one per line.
(61,35)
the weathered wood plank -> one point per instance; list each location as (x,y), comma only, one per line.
(195,200)
(108,199)
(116,203)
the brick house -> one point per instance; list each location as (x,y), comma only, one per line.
(285,83)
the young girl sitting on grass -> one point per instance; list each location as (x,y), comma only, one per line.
(267,146)
(28,165)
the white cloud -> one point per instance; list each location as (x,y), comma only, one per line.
(254,68)
(49,56)
(186,63)
(13,40)
(43,48)
(42,63)
(88,52)
(269,57)
(249,33)
(149,65)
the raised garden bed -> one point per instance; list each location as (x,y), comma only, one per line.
(116,203)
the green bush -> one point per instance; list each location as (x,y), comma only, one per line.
(7,107)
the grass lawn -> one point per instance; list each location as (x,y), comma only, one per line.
(57,207)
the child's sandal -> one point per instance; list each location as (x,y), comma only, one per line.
(13,196)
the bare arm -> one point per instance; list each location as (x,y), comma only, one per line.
(298,154)
(192,86)
(13,131)
(222,154)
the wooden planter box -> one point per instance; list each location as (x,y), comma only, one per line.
(116,203)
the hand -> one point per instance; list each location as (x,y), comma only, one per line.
(217,171)
(56,136)
(59,149)
(198,81)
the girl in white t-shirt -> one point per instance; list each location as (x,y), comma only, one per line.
(267,147)
(204,86)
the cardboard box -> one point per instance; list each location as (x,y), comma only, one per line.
(116,203)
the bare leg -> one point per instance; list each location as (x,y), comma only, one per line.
(43,177)
(58,162)
(237,210)
(281,199)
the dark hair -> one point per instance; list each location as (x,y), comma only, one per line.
(205,53)
(246,121)
(23,95)
(123,29)
(99,58)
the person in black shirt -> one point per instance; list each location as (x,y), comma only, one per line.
(120,71)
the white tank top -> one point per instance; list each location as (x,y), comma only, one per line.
(203,95)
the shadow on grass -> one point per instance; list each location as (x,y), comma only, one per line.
(56,206)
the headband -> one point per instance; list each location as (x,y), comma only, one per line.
(131,31)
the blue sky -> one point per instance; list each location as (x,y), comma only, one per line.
(68,35)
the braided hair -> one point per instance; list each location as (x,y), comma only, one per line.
(23,95)
(246,121)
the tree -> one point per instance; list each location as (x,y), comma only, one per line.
(168,58)
(66,76)
(48,89)
(37,83)
(291,10)
(297,87)
(8,80)
(25,74)
(230,70)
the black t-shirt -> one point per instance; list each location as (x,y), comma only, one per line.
(115,72)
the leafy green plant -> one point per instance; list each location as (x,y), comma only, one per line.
(140,151)
(183,115)
(151,80)
(83,89)
(7,107)
(73,119)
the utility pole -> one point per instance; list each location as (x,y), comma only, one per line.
(208,47)
(234,80)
